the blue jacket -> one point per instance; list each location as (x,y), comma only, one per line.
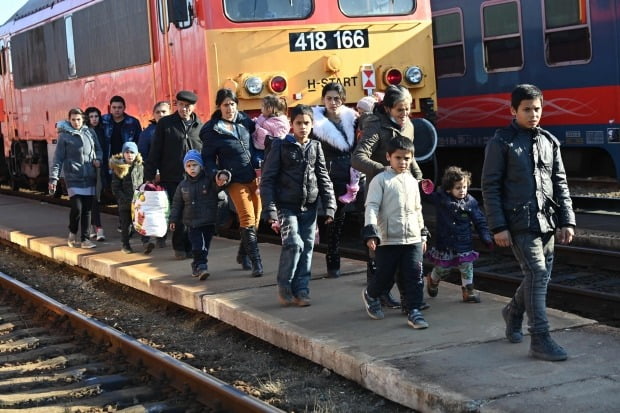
(130,129)
(294,176)
(146,138)
(222,150)
(75,152)
(454,219)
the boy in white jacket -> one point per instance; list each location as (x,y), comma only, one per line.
(394,229)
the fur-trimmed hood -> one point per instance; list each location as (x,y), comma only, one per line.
(119,167)
(325,131)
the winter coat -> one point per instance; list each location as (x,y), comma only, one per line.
(146,138)
(369,155)
(75,153)
(130,129)
(222,150)
(195,202)
(454,218)
(524,182)
(394,209)
(336,146)
(168,147)
(273,126)
(126,178)
(294,176)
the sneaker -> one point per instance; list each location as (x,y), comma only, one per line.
(99,234)
(93,232)
(161,243)
(72,242)
(543,347)
(285,296)
(203,272)
(416,320)
(424,306)
(513,326)
(373,306)
(127,249)
(302,299)
(432,287)
(88,244)
(470,295)
(388,301)
(148,247)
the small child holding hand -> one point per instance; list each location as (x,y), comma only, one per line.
(195,204)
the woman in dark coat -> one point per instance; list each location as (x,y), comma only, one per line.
(227,145)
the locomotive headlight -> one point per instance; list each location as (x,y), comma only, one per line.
(254,85)
(414,75)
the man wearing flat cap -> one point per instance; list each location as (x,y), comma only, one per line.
(175,135)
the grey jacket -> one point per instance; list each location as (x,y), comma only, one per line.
(369,155)
(75,153)
(524,183)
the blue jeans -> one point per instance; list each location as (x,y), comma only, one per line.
(408,260)
(297,232)
(200,238)
(535,255)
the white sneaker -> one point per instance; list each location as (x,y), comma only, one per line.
(93,232)
(88,244)
(72,241)
(100,235)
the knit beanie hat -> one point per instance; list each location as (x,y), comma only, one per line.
(130,147)
(366,104)
(193,155)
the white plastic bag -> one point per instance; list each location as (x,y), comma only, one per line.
(149,210)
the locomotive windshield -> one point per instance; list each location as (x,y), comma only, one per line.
(362,8)
(265,10)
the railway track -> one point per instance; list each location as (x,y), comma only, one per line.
(55,359)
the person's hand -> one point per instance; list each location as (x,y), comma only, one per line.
(328,220)
(97,163)
(51,187)
(489,244)
(172,226)
(565,235)
(503,239)
(427,186)
(275,225)
(423,247)
(371,243)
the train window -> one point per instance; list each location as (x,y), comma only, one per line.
(70,46)
(180,13)
(2,58)
(448,43)
(501,28)
(567,32)
(361,8)
(264,10)
(111,35)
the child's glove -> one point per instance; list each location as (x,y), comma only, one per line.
(427,186)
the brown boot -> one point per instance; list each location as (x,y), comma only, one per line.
(470,295)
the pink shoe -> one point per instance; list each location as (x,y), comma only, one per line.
(350,195)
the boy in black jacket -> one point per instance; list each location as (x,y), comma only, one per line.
(294,176)
(195,205)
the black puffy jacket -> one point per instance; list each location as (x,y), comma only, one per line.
(294,176)
(524,182)
(195,202)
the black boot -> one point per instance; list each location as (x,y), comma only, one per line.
(242,257)
(332,258)
(543,347)
(250,243)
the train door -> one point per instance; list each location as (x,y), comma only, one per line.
(7,109)
(177,46)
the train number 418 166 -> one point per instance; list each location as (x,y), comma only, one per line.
(325,40)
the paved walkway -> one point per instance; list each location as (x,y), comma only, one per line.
(462,363)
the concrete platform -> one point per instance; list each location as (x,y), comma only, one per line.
(462,363)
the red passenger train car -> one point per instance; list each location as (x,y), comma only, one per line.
(58,54)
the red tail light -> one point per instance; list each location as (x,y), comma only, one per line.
(277,84)
(393,77)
